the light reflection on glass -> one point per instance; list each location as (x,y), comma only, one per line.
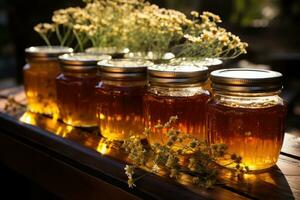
(103,147)
(28,118)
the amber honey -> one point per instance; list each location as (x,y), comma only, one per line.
(76,99)
(190,110)
(39,78)
(248,115)
(256,134)
(120,109)
(40,87)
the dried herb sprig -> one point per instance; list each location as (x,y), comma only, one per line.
(195,158)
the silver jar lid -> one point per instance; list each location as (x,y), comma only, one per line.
(177,74)
(46,52)
(81,61)
(211,63)
(150,55)
(124,69)
(112,51)
(243,80)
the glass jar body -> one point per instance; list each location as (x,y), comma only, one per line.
(188,103)
(120,108)
(40,86)
(251,126)
(76,98)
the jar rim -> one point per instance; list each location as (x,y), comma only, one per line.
(81,59)
(177,74)
(106,50)
(124,65)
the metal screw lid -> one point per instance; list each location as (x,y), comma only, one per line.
(177,74)
(211,63)
(244,80)
(122,69)
(81,61)
(46,52)
(150,55)
(124,65)
(112,51)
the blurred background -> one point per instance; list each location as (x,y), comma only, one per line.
(271,27)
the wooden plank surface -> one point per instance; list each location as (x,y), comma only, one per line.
(291,145)
(281,182)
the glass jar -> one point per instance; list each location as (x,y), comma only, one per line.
(75,88)
(120,97)
(176,91)
(114,52)
(39,78)
(247,114)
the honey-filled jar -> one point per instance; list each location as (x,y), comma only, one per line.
(39,78)
(120,97)
(176,91)
(76,88)
(248,115)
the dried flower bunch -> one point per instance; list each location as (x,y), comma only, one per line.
(206,39)
(197,159)
(142,27)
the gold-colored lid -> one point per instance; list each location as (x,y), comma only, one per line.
(124,69)
(124,65)
(46,52)
(81,61)
(246,80)
(150,55)
(177,74)
(112,51)
(211,63)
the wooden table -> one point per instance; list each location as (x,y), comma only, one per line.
(73,164)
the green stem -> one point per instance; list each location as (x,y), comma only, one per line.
(58,34)
(69,42)
(44,37)
(66,36)
(79,41)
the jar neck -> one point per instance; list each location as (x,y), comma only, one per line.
(176,85)
(79,73)
(248,100)
(41,60)
(125,83)
(178,91)
(45,61)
